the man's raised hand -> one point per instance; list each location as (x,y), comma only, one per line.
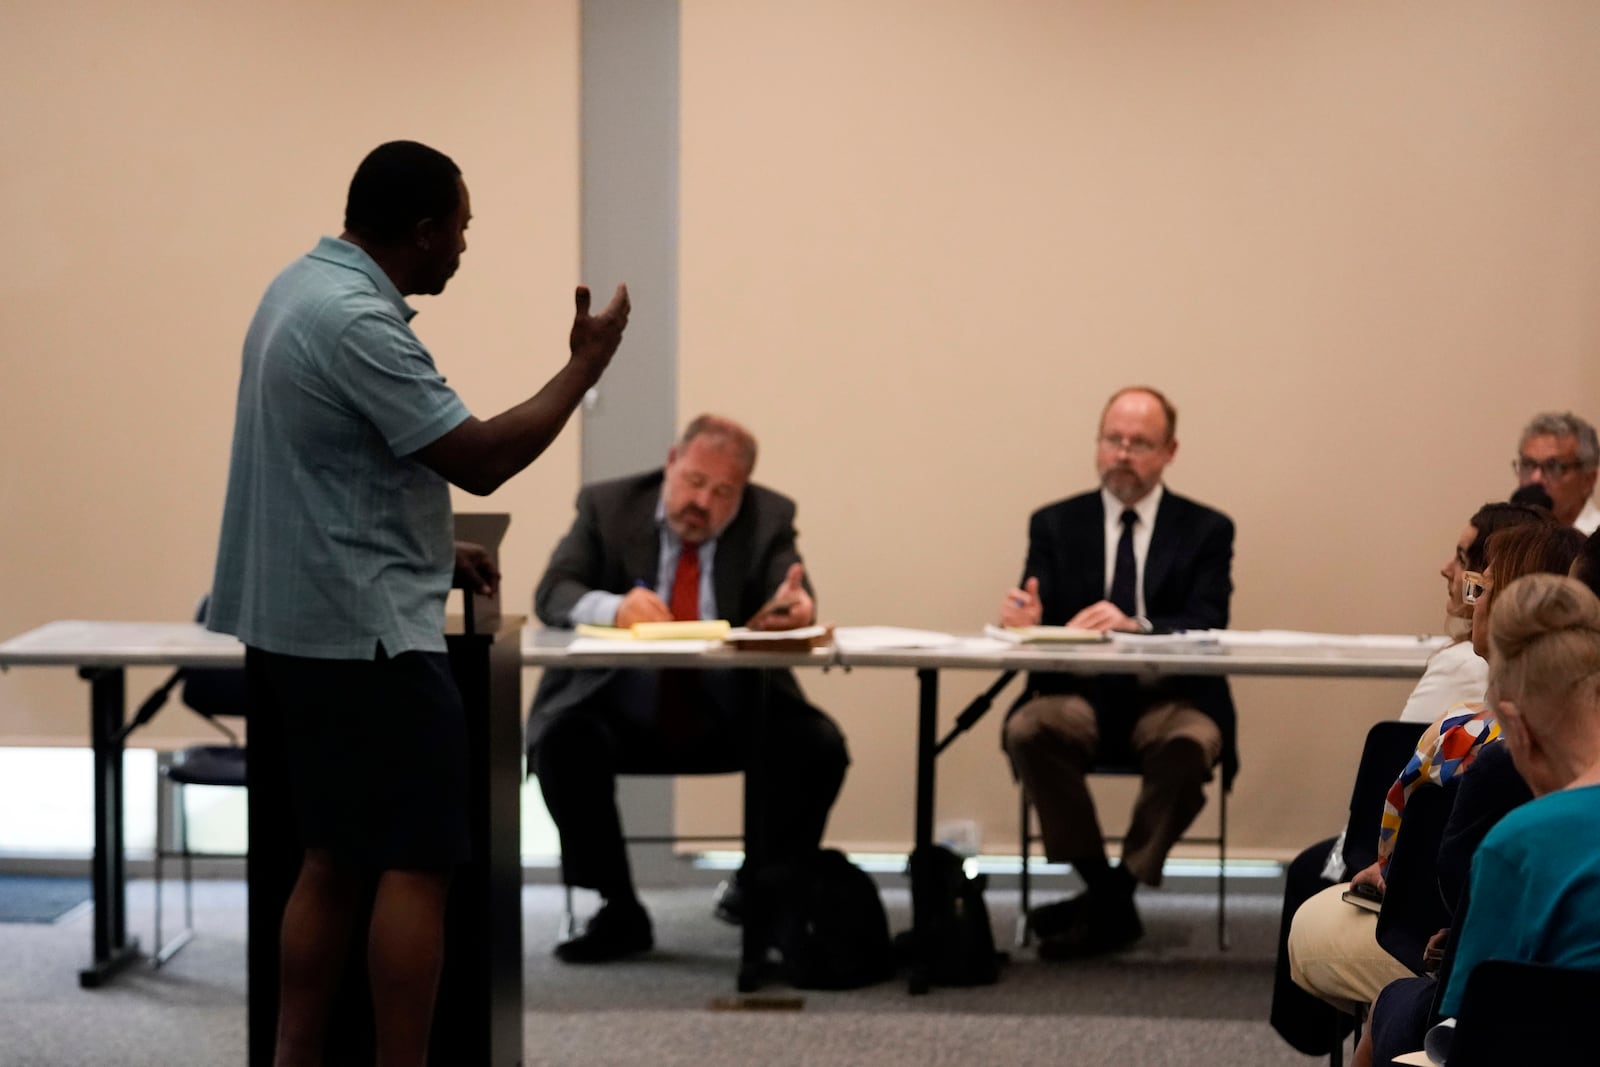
(594,338)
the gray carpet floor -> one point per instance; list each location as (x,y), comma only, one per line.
(1173,999)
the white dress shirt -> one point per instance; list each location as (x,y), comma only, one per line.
(1588,519)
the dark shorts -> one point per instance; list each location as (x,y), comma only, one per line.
(375,753)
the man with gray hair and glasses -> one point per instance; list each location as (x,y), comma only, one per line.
(1560,453)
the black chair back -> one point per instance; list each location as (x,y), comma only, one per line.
(213,691)
(1388,746)
(1526,1013)
(1413,911)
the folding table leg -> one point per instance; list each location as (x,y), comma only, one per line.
(113,950)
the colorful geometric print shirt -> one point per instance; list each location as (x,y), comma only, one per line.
(1441,755)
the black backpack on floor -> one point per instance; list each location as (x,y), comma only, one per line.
(830,925)
(962,951)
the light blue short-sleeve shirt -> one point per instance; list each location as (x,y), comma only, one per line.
(334,540)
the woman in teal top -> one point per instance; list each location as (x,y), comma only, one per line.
(1535,890)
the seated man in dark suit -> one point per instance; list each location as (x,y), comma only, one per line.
(1131,557)
(695,540)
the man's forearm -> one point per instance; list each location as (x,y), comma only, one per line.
(595,608)
(519,435)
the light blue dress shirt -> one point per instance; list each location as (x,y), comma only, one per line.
(334,541)
(598,607)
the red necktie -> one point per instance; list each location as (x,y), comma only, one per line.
(685,602)
(675,694)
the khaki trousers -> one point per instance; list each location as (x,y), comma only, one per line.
(1053,742)
(1334,951)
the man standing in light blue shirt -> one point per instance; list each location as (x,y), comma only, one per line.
(335,558)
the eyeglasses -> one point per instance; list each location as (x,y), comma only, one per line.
(1550,468)
(1135,446)
(1471,586)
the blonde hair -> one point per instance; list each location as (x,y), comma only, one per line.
(1544,643)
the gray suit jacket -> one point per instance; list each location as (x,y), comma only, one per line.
(614,542)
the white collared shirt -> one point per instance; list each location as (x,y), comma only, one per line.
(1142,530)
(1588,519)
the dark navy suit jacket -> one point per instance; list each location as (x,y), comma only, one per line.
(1188,581)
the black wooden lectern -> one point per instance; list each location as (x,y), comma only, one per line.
(478,1019)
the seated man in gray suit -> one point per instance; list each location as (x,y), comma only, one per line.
(1129,556)
(695,540)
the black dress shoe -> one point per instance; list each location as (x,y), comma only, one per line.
(1102,923)
(1053,919)
(615,932)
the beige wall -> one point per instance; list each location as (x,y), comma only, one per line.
(161,162)
(920,242)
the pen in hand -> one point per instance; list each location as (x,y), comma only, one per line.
(641,604)
(1020,606)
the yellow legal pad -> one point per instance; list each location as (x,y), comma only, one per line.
(692,630)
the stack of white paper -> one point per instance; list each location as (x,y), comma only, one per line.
(1306,639)
(643,648)
(743,634)
(1187,641)
(1043,635)
(879,638)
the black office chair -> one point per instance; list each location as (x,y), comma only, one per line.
(213,694)
(1220,839)
(1525,1013)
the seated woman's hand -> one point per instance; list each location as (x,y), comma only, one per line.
(1369,876)
(1433,953)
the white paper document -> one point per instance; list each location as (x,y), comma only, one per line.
(1043,635)
(643,648)
(877,638)
(1306,639)
(745,635)
(1187,641)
